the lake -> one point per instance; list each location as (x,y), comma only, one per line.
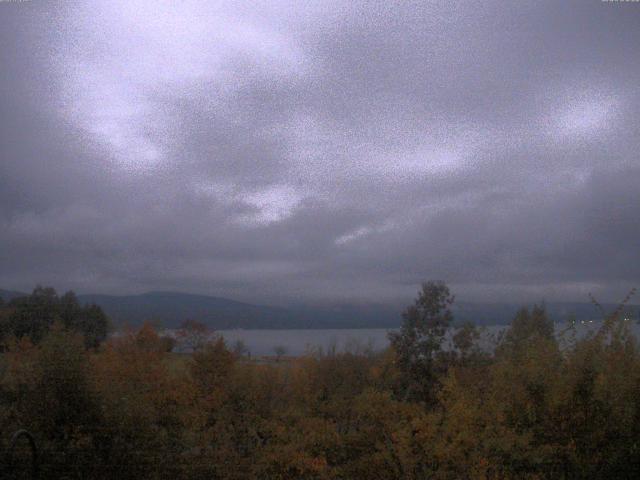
(298,342)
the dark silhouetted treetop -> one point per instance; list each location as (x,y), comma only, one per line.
(419,343)
(33,315)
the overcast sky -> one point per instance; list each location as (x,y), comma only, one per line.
(321,151)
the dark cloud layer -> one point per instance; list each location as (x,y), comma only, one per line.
(321,152)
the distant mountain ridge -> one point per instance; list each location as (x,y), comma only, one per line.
(169,309)
(7,295)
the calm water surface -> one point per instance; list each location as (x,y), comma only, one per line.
(299,342)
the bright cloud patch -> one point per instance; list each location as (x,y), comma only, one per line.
(132,52)
(588,115)
(270,205)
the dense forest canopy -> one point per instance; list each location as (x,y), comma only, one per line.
(131,409)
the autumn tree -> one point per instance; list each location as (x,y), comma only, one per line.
(144,406)
(193,335)
(280,351)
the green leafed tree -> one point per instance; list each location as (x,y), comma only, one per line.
(418,345)
(526,328)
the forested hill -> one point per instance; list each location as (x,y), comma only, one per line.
(170,308)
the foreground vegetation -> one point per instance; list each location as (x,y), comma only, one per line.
(529,409)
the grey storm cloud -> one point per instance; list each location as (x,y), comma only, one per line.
(327,151)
